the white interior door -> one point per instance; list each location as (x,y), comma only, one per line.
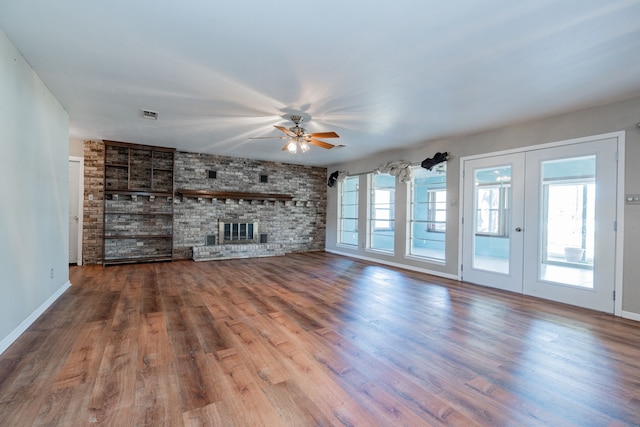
(74,214)
(542,223)
(570,237)
(493,221)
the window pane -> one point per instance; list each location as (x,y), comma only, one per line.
(420,192)
(384,180)
(428,213)
(350,198)
(382,240)
(350,225)
(350,184)
(420,211)
(348,211)
(349,238)
(382,212)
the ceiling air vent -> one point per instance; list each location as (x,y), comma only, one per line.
(151,115)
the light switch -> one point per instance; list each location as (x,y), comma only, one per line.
(632,199)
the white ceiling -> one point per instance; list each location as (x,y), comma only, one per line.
(381,74)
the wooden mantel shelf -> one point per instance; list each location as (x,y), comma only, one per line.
(233,195)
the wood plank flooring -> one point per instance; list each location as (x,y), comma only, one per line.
(313,339)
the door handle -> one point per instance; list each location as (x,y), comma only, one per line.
(518,229)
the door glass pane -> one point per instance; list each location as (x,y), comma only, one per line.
(568,231)
(492,219)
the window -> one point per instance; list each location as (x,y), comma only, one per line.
(428,213)
(348,211)
(382,212)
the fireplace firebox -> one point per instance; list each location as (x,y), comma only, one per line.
(238,231)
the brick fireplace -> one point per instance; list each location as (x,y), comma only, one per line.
(294,225)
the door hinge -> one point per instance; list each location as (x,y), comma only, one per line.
(461,267)
(615,225)
(462,220)
(617,156)
(614,295)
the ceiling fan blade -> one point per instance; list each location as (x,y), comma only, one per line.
(319,143)
(324,135)
(285,130)
(286,146)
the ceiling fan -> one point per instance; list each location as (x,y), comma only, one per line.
(298,138)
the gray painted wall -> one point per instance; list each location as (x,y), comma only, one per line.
(619,116)
(34,230)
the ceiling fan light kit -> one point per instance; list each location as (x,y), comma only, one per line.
(299,140)
(296,146)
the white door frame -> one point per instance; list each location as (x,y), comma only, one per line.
(620,135)
(80,160)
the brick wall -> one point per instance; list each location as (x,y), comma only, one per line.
(92,209)
(299,225)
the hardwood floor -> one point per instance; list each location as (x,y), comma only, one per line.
(313,339)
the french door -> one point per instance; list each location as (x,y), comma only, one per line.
(542,223)
(493,221)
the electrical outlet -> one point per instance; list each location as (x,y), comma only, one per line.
(140,243)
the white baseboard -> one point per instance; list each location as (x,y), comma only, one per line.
(395,264)
(15,334)
(630,315)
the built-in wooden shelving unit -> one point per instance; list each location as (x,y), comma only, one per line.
(138,203)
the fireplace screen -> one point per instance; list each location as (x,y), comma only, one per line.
(238,231)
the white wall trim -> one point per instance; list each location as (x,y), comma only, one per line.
(619,262)
(630,315)
(22,327)
(395,264)
(81,205)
